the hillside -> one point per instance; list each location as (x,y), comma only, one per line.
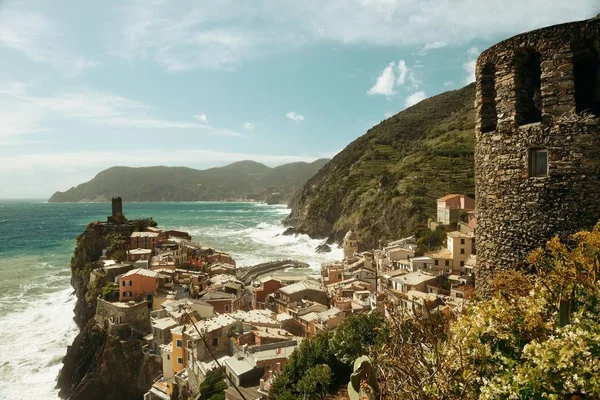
(385,182)
(241,180)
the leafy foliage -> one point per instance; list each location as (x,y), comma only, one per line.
(386,182)
(537,337)
(213,387)
(429,240)
(337,349)
(353,336)
(315,383)
(311,353)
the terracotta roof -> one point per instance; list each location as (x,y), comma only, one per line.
(449,196)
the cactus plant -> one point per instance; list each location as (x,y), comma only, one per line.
(363,381)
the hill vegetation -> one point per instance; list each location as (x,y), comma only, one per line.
(244,180)
(384,184)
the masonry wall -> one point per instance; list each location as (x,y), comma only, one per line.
(137,315)
(518,212)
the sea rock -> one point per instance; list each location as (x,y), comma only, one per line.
(289,232)
(323,248)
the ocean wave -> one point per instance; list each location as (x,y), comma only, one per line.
(36,339)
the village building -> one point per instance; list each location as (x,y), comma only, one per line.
(332,272)
(250,364)
(288,297)
(451,206)
(138,284)
(261,288)
(139,254)
(394,253)
(256,318)
(143,240)
(416,281)
(224,302)
(161,332)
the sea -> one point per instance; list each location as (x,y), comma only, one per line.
(36,243)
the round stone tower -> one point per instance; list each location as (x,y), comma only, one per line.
(537,152)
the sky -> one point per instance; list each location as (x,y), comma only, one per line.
(86,85)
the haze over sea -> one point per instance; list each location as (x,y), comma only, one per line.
(36,243)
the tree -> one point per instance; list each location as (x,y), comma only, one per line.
(352,338)
(213,387)
(311,352)
(315,383)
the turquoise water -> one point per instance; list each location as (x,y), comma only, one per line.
(36,243)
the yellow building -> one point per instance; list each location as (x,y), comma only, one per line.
(178,357)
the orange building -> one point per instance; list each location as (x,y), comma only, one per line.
(138,284)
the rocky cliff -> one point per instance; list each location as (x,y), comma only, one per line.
(385,183)
(100,364)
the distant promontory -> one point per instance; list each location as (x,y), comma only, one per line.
(243,180)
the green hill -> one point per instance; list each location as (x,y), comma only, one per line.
(241,180)
(385,182)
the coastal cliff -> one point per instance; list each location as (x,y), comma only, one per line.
(100,363)
(385,183)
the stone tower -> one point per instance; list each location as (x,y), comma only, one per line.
(350,246)
(117,207)
(537,152)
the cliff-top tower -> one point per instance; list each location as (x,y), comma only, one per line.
(117,207)
(537,152)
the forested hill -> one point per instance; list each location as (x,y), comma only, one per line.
(385,182)
(238,181)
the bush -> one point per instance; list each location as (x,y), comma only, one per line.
(537,337)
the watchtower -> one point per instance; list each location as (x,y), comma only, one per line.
(117,207)
(537,152)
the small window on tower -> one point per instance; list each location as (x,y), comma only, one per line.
(538,162)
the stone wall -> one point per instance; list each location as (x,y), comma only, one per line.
(530,81)
(136,315)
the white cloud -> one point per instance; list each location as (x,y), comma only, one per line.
(201,118)
(392,77)
(25,113)
(434,45)
(248,125)
(469,66)
(473,51)
(38,39)
(222,34)
(295,117)
(403,71)
(389,114)
(448,83)
(414,98)
(385,82)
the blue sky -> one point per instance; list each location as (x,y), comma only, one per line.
(87,85)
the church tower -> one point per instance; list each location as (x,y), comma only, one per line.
(350,246)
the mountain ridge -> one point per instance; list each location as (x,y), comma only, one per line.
(384,184)
(241,180)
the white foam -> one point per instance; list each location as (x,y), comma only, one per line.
(33,343)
